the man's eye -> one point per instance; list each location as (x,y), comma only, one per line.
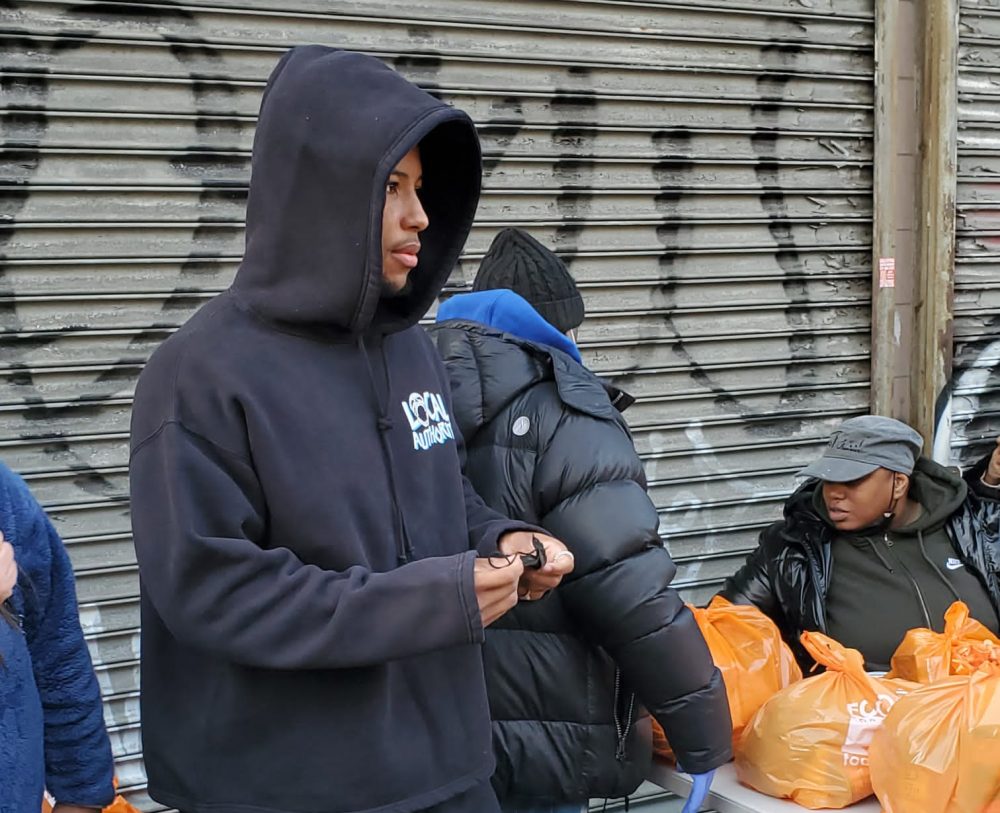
(392,187)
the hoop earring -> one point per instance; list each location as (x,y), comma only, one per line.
(892,501)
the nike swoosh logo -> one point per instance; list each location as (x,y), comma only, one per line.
(953,564)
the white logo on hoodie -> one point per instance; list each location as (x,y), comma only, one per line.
(429,420)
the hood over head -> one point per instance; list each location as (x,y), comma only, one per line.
(489,368)
(940,493)
(509,312)
(333,124)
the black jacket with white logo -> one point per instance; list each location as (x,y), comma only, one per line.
(311,637)
(568,676)
(788,575)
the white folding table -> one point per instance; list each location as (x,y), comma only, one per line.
(729,796)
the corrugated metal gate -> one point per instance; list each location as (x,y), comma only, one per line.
(704,167)
(975,384)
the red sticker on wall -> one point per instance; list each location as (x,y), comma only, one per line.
(887,272)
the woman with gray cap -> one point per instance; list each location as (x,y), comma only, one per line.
(879,540)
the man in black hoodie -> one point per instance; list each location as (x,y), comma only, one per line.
(312,601)
(878,541)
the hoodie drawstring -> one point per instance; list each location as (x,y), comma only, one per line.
(916,587)
(404,548)
(913,581)
(923,552)
(878,553)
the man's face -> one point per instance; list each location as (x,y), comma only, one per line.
(862,502)
(403,218)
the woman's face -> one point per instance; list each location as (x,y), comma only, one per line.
(862,503)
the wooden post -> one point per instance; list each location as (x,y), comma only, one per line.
(932,340)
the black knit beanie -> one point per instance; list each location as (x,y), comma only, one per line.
(517,261)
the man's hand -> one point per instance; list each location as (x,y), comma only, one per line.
(496,582)
(558,562)
(992,474)
(8,569)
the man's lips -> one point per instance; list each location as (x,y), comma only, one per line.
(837,514)
(407,254)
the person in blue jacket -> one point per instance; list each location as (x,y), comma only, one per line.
(52,731)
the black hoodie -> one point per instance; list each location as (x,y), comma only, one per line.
(305,538)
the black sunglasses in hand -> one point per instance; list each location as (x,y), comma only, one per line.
(531,561)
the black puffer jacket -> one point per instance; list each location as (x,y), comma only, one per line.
(788,575)
(546,445)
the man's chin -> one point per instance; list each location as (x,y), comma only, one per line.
(394,288)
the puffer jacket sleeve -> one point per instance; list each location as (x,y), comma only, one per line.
(983,507)
(751,584)
(591,493)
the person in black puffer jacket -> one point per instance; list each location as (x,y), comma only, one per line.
(569,677)
(877,519)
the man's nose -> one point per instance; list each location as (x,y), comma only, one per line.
(415,218)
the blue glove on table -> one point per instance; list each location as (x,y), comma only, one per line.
(699,790)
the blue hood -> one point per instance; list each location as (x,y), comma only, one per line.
(509,312)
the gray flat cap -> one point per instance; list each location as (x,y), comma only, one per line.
(861,445)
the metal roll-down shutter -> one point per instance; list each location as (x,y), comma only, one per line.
(703,167)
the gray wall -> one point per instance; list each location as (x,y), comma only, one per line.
(704,168)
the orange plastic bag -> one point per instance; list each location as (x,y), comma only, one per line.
(939,748)
(754,661)
(809,743)
(926,656)
(119,805)
(967,657)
